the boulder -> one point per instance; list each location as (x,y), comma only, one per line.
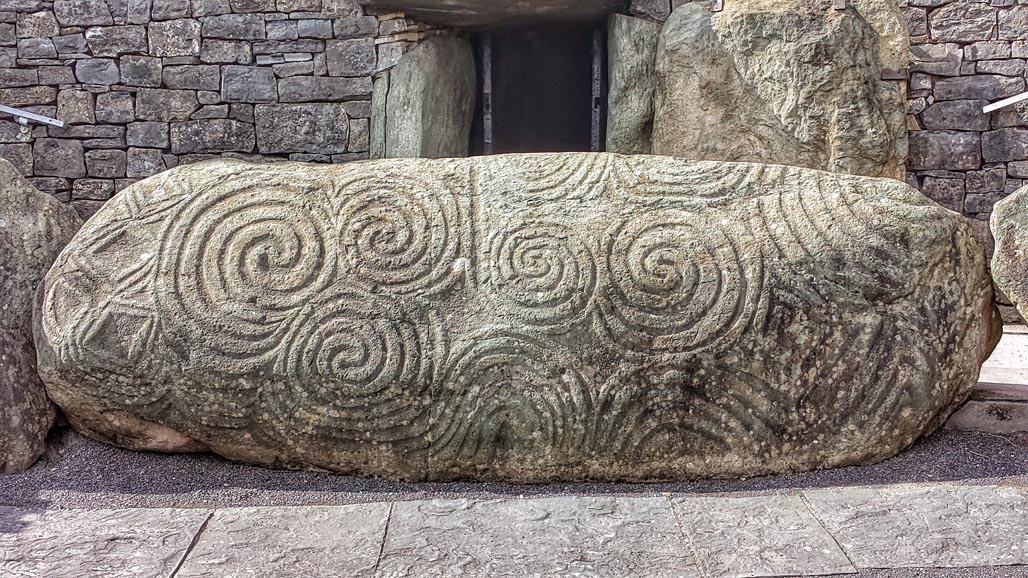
(1009,224)
(34,227)
(520,317)
(631,54)
(790,82)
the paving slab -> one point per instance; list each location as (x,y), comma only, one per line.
(926,526)
(553,537)
(301,542)
(133,543)
(759,536)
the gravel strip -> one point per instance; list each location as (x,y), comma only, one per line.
(81,473)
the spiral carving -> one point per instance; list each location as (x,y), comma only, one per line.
(553,177)
(241,263)
(400,232)
(546,271)
(358,369)
(678,284)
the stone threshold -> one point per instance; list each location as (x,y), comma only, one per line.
(999,403)
(833,531)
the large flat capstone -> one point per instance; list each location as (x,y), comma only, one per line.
(34,227)
(522,317)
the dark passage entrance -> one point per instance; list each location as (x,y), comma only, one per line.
(543,88)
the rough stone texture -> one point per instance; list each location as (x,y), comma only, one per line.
(96,543)
(34,227)
(439,319)
(290,542)
(430,102)
(310,128)
(761,536)
(631,56)
(956,526)
(483,538)
(481,13)
(791,82)
(1009,224)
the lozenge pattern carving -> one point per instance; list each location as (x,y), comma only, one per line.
(523,317)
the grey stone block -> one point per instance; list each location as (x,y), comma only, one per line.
(214,135)
(360,135)
(1018,169)
(138,11)
(211,111)
(937,59)
(97,71)
(141,71)
(58,158)
(105,163)
(171,9)
(984,86)
(115,108)
(316,88)
(82,13)
(287,69)
(354,57)
(40,24)
(1007,67)
(637,537)
(142,163)
(56,75)
(759,536)
(247,6)
(948,192)
(27,95)
(987,181)
(70,43)
(12,77)
(234,27)
(165,105)
(290,542)
(194,77)
(36,48)
(298,5)
(314,28)
(987,50)
(981,202)
(916,20)
(302,128)
(93,189)
(210,8)
(956,526)
(1005,144)
(279,47)
(19,155)
(956,115)
(175,38)
(963,22)
(108,543)
(208,97)
(944,150)
(226,51)
(116,40)
(355,27)
(282,30)
(248,84)
(241,112)
(1013,23)
(148,135)
(75,107)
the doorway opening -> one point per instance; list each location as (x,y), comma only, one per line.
(542,88)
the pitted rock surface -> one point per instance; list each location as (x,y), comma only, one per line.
(1009,224)
(34,227)
(521,317)
(791,82)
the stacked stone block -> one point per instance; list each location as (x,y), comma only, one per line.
(145,85)
(965,55)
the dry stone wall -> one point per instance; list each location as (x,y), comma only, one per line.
(146,85)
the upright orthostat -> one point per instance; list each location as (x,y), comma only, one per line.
(528,317)
(1009,224)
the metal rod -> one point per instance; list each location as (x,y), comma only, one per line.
(1005,102)
(24,115)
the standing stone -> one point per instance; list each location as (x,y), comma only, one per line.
(631,57)
(519,317)
(34,227)
(1009,224)
(431,100)
(792,82)
(309,128)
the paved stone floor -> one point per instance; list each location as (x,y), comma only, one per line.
(954,506)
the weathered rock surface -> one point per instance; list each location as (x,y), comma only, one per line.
(34,227)
(1009,224)
(426,104)
(492,12)
(522,317)
(631,56)
(789,82)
